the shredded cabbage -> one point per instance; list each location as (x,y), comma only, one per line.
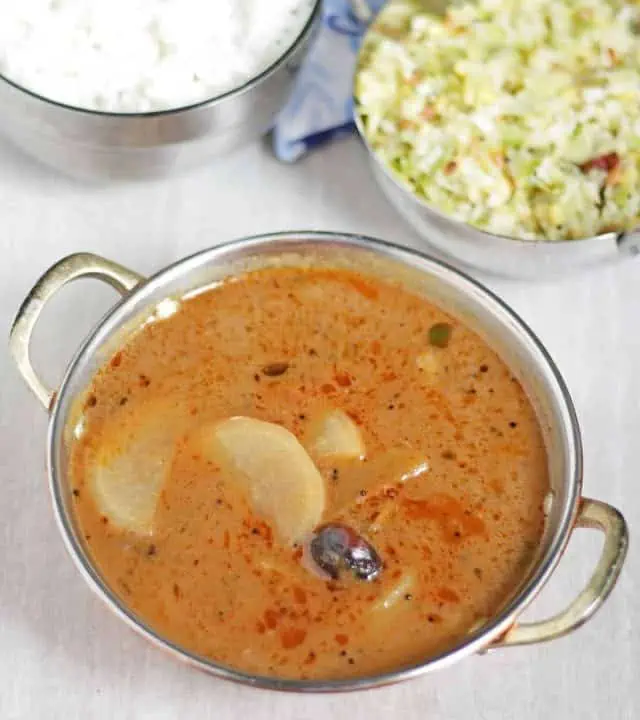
(519,118)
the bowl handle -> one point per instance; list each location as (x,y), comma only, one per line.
(80,265)
(591,514)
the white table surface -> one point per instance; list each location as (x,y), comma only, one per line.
(62,655)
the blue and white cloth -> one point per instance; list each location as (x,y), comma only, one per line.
(320,107)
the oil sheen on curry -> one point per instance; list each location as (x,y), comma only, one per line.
(309,473)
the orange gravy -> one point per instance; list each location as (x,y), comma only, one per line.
(211,574)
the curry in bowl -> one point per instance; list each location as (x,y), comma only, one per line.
(309,473)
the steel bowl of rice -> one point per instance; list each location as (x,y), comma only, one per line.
(508,133)
(134,89)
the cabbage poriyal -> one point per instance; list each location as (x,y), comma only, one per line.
(519,118)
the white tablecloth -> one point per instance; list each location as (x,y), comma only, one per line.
(62,655)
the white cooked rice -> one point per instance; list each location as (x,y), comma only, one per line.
(143,55)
